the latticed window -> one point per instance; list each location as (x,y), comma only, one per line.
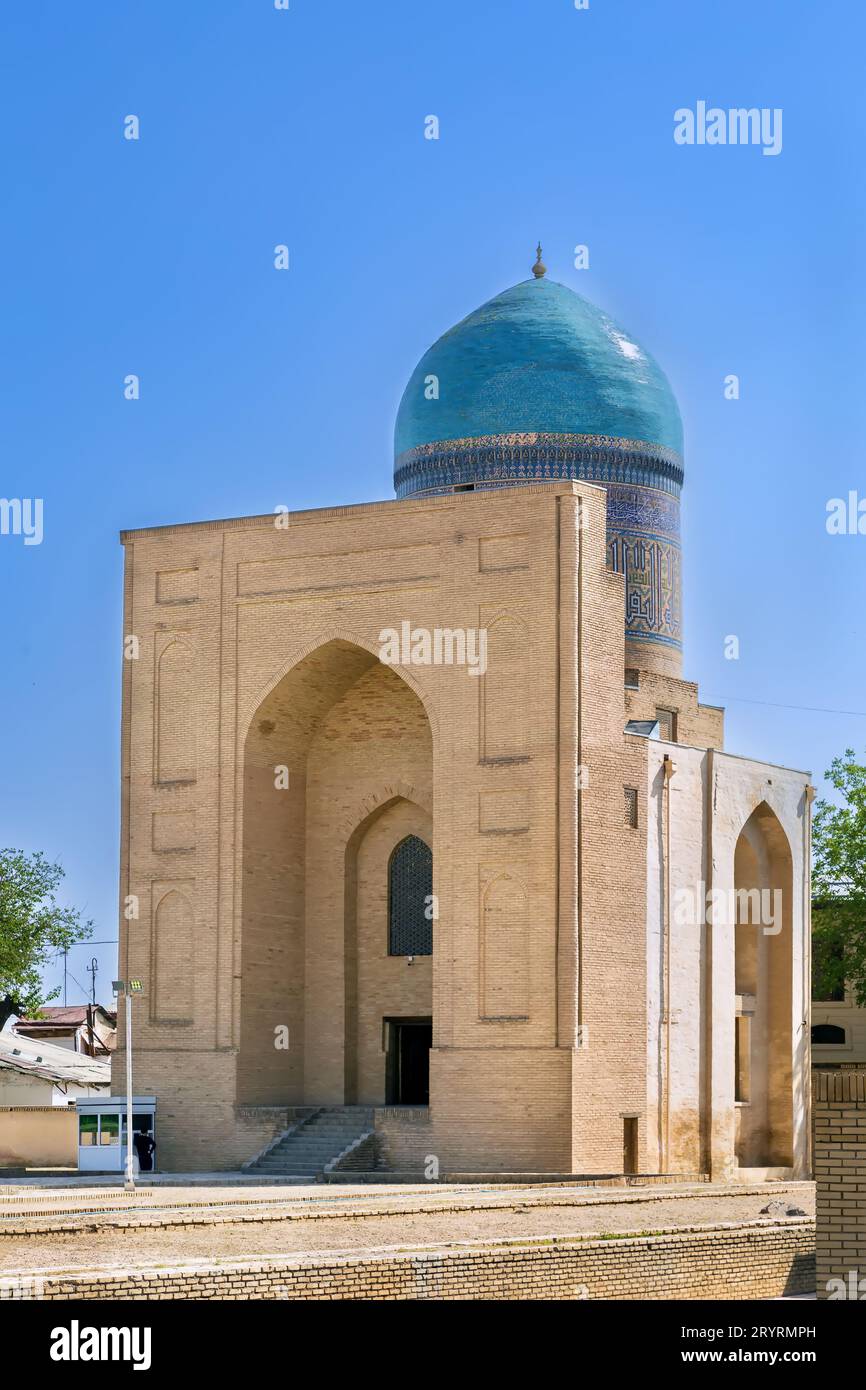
(667,721)
(410,894)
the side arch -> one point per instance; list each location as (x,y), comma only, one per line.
(763,984)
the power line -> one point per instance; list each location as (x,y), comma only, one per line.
(78,982)
(776,704)
(111,941)
(64,951)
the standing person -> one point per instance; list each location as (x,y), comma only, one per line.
(144,1145)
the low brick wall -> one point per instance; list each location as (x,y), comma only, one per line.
(839,1119)
(761,1260)
(38,1136)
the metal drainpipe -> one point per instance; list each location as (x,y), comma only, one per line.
(707,1026)
(669,770)
(809,797)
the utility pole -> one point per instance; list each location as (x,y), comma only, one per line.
(91,1007)
(128,988)
(130,1171)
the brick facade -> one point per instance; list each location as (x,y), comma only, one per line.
(759,1261)
(839,1109)
(255,909)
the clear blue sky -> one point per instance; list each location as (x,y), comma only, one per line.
(260,388)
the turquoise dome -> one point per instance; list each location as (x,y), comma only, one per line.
(538,360)
(537,386)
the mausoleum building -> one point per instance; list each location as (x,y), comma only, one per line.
(423,829)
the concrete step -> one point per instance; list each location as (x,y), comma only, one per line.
(324,1154)
(312,1125)
(321,1139)
(300,1162)
(297,1142)
(326,1134)
(312,1133)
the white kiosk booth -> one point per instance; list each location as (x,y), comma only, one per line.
(102,1131)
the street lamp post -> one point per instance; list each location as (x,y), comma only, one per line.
(128,988)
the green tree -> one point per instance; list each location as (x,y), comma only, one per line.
(839,883)
(32,925)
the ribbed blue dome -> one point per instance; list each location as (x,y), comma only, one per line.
(538,359)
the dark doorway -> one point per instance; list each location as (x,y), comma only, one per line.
(407,1068)
(629,1144)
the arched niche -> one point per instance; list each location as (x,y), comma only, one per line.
(333,729)
(173,992)
(379,984)
(175,714)
(763,1061)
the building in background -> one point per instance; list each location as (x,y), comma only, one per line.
(838,1032)
(422,825)
(35,1072)
(86,1028)
(40,1083)
(838,1022)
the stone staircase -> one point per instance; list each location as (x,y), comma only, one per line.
(317,1143)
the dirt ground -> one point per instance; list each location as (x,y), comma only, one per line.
(96,1244)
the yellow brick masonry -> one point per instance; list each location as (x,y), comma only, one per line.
(760,1260)
(257,648)
(239,901)
(699,726)
(839,1110)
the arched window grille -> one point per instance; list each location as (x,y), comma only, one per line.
(410,892)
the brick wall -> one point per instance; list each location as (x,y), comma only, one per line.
(698,726)
(257,652)
(839,1117)
(252,640)
(758,1261)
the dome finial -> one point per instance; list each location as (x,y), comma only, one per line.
(539,268)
